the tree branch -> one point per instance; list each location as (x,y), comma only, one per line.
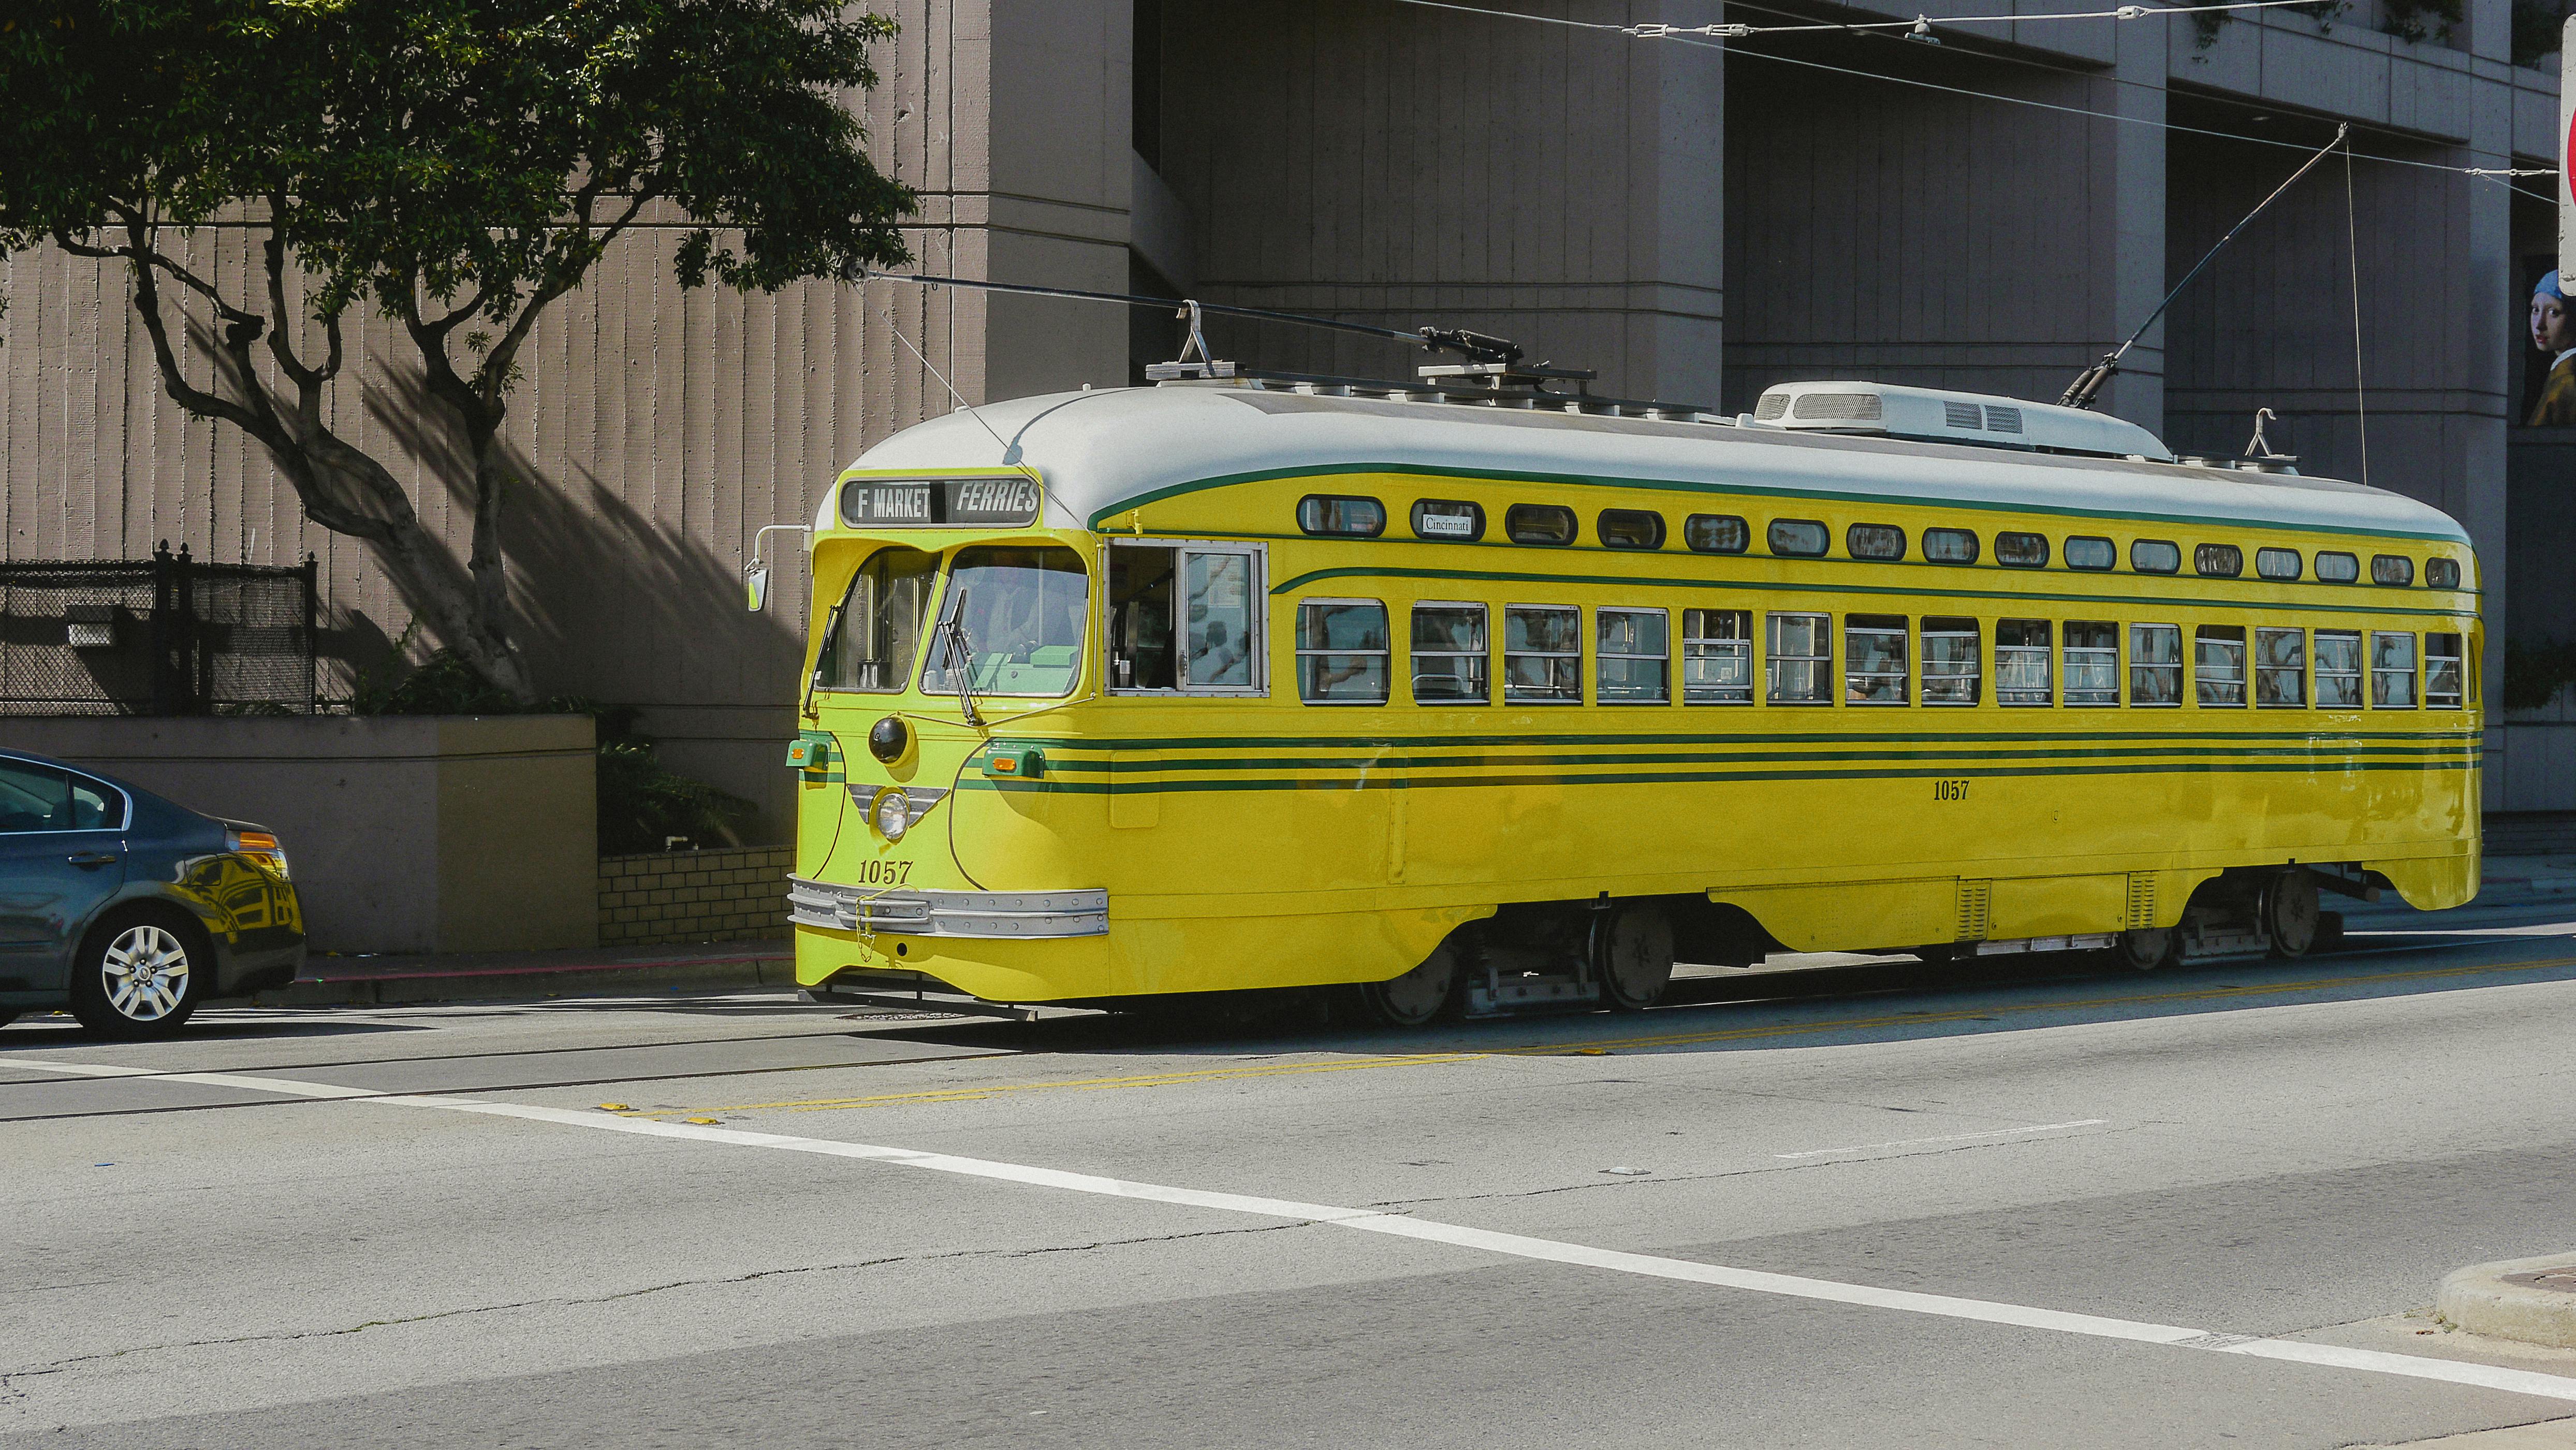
(566,275)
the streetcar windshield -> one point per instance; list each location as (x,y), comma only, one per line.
(877,630)
(1023,610)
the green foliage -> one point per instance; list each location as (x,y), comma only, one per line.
(433,149)
(642,805)
(2534,674)
(2537,28)
(2421,19)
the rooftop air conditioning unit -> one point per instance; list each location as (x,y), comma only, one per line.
(1883,410)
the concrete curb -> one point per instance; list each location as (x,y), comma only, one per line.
(2510,1300)
(519,984)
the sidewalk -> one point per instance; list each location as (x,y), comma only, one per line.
(523,976)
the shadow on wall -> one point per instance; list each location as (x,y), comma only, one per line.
(609,602)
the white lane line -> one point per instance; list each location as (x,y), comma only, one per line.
(1946,1138)
(1519,1246)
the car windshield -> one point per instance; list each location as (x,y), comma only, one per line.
(1025,610)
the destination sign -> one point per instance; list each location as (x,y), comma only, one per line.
(931,502)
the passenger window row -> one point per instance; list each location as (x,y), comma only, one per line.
(1554,525)
(1345,657)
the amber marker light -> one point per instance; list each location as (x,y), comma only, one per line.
(261,844)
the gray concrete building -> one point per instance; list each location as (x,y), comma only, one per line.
(1697,218)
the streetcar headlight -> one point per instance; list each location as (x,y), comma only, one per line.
(893,815)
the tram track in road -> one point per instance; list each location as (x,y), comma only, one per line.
(2306,988)
(1071,1039)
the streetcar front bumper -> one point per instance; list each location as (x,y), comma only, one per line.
(1003,915)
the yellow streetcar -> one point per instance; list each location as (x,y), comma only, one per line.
(1472,700)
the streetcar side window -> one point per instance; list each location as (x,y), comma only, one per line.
(2391,569)
(1874,668)
(1635,653)
(2442,674)
(1542,654)
(2021,662)
(1797,538)
(1539,523)
(1184,617)
(2218,664)
(1341,651)
(2392,670)
(1800,669)
(1717,657)
(1141,652)
(2338,669)
(2277,563)
(1716,534)
(1950,546)
(1449,655)
(2280,668)
(2155,664)
(2217,561)
(2092,663)
(1341,516)
(1952,668)
(1448,520)
(2155,556)
(1630,528)
(2335,568)
(1874,541)
(2442,573)
(2090,551)
(2022,551)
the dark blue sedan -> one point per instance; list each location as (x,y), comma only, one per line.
(130,909)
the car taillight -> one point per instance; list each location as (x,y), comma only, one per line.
(263,845)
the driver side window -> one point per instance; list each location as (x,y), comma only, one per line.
(1185,617)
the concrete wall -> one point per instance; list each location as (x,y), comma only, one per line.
(404,833)
(1402,166)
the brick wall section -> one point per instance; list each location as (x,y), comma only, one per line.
(694,896)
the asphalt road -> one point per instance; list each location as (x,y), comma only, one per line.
(1841,1202)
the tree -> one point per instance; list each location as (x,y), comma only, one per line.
(458,164)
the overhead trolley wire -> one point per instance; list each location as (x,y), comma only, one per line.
(1693,36)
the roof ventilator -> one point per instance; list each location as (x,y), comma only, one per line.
(1936,415)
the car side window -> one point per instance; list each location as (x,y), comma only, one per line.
(95,807)
(34,798)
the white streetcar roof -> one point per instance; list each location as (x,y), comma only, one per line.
(1105,451)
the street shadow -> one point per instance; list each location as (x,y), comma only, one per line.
(1788,1004)
(58,1031)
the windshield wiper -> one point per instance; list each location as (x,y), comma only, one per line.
(961,659)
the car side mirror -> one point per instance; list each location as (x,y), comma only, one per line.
(755,587)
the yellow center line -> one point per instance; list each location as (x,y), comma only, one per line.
(1596,1047)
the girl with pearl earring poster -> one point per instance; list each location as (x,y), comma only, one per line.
(2553,332)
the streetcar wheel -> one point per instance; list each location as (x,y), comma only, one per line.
(1418,996)
(2145,950)
(2290,913)
(1636,959)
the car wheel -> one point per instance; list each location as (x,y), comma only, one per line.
(139,974)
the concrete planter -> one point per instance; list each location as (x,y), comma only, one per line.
(424,833)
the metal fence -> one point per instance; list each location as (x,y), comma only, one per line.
(160,636)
